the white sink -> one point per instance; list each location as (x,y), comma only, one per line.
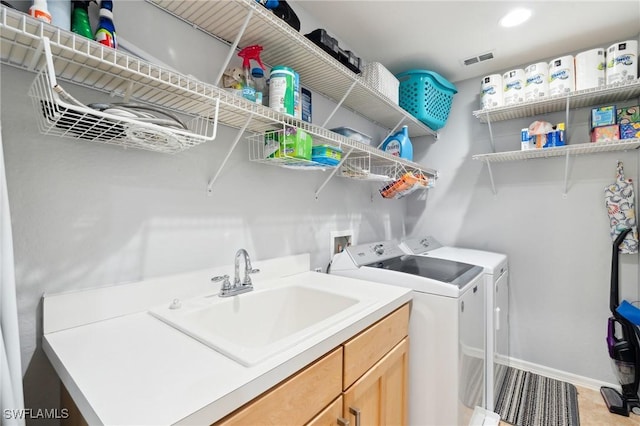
(254,326)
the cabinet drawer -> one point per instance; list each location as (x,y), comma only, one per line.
(365,349)
(329,416)
(296,400)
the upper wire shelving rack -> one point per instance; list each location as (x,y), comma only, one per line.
(86,63)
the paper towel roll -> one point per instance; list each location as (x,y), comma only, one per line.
(513,86)
(491,95)
(622,62)
(562,76)
(590,67)
(536,83)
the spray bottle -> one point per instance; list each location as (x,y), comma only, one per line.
(106,31)
(40,11)
(248,84)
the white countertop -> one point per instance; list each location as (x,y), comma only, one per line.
(131,368)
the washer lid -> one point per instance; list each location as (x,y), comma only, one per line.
(446,271)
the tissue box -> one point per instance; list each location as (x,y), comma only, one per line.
(292,142)
(629,115)
(630,131)
(603,116)
(605,133)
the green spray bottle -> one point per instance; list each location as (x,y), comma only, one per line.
(248,84)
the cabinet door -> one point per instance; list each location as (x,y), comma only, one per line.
(379,397)
(329,416)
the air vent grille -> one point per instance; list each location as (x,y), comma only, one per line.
(477,59)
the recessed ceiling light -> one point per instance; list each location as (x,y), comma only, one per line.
(515,17)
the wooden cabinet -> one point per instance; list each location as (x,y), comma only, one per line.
(380,396)
(372,373)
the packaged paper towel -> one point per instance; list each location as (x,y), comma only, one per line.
(536,81)
(513,85)
(491,95)
(622,62)
(562,76)
(590,66)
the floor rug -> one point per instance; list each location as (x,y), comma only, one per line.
(528,399)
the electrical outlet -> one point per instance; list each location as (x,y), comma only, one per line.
(340,240)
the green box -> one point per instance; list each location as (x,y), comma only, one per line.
(630,114)
(289,143)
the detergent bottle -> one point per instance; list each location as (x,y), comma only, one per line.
(248,83)
(40,11)
(106,31)
(399,144)
(80,19)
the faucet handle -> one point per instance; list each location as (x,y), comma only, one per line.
(226,284)
(253,271)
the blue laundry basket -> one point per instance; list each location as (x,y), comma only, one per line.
(427,96)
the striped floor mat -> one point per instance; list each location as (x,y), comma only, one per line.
(528,399)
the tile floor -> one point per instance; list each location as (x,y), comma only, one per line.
(593,411)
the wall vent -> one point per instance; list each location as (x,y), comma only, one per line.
(477,59)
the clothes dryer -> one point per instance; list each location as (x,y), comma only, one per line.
(496,277)
(446,327)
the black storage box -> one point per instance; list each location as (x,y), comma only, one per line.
(325,41)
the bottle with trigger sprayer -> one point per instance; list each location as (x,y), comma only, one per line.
(248,84)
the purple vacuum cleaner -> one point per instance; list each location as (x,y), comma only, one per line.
(623,342)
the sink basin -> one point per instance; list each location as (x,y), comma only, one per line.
(254,326)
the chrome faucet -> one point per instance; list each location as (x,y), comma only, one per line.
(239,286)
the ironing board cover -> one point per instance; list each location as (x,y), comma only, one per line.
(620,202)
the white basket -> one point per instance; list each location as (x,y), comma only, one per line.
(58,113)
(379,78)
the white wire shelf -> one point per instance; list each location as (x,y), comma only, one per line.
(576,149)
(578,99)
(283,45)
(360,161)
(59,113)
(84,62)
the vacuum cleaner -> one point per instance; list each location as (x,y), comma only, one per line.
(623,342)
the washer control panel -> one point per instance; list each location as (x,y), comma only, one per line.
(421,244)
(374,252)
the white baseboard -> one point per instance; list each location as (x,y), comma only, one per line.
(574,379)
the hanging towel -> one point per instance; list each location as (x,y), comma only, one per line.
(620,202)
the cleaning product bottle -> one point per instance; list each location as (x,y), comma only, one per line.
(40,11)
(399,144)
(106,31)
(261,85)
(80,19)
(248,84)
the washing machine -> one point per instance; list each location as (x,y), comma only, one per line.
(496,277)
(446,327)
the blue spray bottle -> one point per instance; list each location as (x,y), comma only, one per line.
(106,31)
(399,144)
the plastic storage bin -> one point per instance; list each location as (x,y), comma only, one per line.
(427,96)
(377,76)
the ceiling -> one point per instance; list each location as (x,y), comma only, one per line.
(440,35)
